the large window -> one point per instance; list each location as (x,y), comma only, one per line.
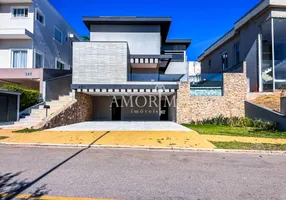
(20,12)
(60,65)
(266,57)
(58,35)
(272,54)
(236,54)
(279,51)
(224,60)
(19,58)
(40,17)
(39,60)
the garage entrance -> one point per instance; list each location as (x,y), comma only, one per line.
(9,106)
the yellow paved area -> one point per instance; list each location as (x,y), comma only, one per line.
(218,138)
(27,196)
(156,139)
(122,138)
(55,137)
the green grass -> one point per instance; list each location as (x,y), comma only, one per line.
(235,131)
(3,137)
(26,130)
(250,146)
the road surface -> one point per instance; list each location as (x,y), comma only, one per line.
(140,174)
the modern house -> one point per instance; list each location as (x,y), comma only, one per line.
(129,70)
(259,38)
(35,44)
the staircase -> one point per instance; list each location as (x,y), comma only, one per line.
(265,74)
(37,115)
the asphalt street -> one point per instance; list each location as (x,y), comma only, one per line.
(141,174)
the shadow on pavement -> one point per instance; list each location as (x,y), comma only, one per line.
(21,186)
(10,187)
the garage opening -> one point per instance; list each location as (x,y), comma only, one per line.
(134,108)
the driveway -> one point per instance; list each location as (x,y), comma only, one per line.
(122,126)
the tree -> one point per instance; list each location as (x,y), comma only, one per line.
(86,38)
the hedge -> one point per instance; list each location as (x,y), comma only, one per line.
(28,97)
(238,122)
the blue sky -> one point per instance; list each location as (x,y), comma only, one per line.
(202,21)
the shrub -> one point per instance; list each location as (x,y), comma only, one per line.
(238,122)
(28,97)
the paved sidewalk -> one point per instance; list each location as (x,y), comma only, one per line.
(218,138)
(190,139)
(122,126)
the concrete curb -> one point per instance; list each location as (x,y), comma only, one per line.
(151,148)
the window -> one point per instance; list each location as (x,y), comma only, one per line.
(39,60)
(19,58)
(177,57)
(40,17)
(20,12)
(236,54)
(210,63)
(224,60)
(58,35)
(60,65)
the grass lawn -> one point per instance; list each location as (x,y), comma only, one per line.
(3,137)
(235,131)
(250,146)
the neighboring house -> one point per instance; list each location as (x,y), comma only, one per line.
(35,43)
(9,106)
(130,59)
(257,38)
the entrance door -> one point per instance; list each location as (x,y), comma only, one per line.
(116,110)
(164,111)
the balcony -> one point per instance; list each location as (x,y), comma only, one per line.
(154,77)
(150,61)
(20,33)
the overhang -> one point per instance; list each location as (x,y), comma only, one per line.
(164,22)
(186,42)
(8,92)
(15,34)
(150,61)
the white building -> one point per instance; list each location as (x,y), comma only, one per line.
(35,43)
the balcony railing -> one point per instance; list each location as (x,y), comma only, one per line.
(207,85)
(155,77)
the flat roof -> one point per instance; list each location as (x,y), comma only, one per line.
(164,22)
(187,42)
(252,13)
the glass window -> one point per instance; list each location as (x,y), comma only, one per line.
(280,50)
(40,17)
(19,59)
(39,61)
(266,57)
(236,54)
(20,12)
(210,63)
(60,65)
(224,60)
(58,35)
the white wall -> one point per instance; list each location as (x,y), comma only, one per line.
(44,36)
(6,55)
(142,40)
(7,22)
(194,68)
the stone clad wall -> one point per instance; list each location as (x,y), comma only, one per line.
(232,103)
(77,111)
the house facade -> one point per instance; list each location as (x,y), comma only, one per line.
(258,38)
(35,43)
(129,70)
